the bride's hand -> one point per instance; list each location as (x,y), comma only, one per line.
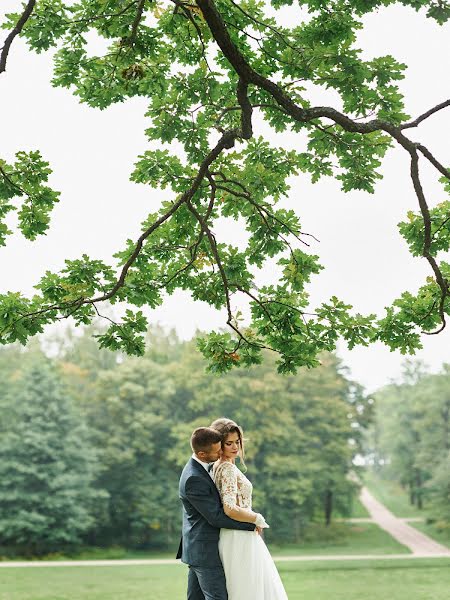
(260,522)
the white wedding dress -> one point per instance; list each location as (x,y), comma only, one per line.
(249,569)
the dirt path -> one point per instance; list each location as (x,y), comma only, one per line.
(419,543)
(172,561)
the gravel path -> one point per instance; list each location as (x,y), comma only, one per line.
(370,520)
(172,561)
(419,543)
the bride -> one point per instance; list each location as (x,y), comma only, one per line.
(249,569)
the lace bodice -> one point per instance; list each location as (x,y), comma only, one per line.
(234,487)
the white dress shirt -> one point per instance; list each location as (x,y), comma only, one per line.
(205,465)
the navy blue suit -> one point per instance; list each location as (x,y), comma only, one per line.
(203,517)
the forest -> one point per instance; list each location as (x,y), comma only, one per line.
(93,442)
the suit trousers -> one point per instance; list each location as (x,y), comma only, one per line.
(206,583)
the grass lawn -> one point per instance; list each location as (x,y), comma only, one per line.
(361,538)
(93,553)
(349,538)
(358,510)
(418,579)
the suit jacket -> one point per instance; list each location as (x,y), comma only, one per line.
(203,517)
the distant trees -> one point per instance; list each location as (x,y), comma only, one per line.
(131,418)
(46,466)
(302,435)
(411,438)
(92,443)
(118,433)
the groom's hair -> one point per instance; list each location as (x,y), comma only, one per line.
(203,438)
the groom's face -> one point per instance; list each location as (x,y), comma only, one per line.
(212,454)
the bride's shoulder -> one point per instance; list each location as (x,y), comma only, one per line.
(224,466)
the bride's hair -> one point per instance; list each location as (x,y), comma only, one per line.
(224,427)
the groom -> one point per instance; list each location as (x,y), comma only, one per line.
(203,517)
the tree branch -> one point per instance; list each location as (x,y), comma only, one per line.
(134,28)
(223,275)
(246,195)
(247,74)
(226,141)
(16,31)
(425,115)
(443,283)
(439,166)
(194,247)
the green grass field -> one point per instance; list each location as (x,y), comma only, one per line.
(417,579)
(348,538)
(358,510)
(360,538)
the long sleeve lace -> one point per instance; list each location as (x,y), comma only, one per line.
(234,488)
(226,481)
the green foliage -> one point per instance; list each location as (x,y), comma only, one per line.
(26,179)
(172,56)
(159,168)
(410,442)
(303,432)
(130,418)
(357,158)
(80,279)
(438,488)
(126,335)
(47,500)
(413,230)
(19,329)
(49,23)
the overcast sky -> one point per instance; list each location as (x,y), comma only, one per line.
(366,262)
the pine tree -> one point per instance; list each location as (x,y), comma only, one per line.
(46,467)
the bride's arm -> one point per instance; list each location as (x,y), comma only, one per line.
(244,515)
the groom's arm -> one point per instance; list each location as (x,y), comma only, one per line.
(199,494)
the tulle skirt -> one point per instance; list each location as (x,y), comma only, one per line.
(249,569)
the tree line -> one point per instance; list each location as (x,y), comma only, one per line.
(409,439)
(92,443)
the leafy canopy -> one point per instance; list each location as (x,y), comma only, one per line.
(206,69)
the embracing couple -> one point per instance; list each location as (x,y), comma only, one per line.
(221,540)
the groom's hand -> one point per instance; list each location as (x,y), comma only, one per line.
(259,530)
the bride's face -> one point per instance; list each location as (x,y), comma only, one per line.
(231,447)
